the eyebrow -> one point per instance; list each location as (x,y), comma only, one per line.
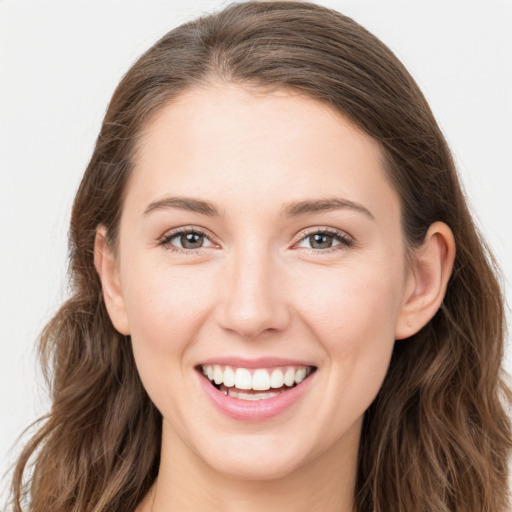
(184,203)
(293,209)
(323,205)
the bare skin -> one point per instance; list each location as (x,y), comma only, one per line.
(298,252)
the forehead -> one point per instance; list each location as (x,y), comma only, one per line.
(227,143)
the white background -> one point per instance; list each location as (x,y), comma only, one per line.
(59,64)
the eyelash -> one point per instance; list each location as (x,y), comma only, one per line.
(166,239)
(345,241)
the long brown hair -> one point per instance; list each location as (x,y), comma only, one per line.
(437,437)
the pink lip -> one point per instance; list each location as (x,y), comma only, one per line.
(258,410)
(262,362)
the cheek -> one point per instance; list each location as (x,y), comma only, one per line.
(353,315)
(165,307)
(165,304)
(352,299)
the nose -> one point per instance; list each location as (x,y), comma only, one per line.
(254,296)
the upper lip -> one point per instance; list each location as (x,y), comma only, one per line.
(260,362)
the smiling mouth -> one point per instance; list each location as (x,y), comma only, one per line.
(255,383)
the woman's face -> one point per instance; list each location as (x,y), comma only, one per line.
(260,241)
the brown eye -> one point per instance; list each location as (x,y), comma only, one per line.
(325,239)
(191,240)
(186,240)
(321,241)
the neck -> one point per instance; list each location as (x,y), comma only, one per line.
(186,483)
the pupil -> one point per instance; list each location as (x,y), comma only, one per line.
(191,240)
(320,241)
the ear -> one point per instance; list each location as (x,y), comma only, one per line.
(430,270)
(108,269)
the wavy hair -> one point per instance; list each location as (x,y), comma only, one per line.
(437,437)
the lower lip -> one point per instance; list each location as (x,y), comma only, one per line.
(257,410)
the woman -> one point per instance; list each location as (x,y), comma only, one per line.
(337,347)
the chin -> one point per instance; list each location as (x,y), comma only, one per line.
(259,467)
(260,456)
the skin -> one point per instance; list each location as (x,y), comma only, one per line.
(257,287)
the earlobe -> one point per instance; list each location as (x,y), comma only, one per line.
(428,278)
(108,270)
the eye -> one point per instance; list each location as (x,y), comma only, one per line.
(186,240)
(323,239)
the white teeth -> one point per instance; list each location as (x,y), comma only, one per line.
(217,374)
(289,377)
(248,396)
(229,377)
(243,379)
(300,375)
(260,379)
(277,379)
